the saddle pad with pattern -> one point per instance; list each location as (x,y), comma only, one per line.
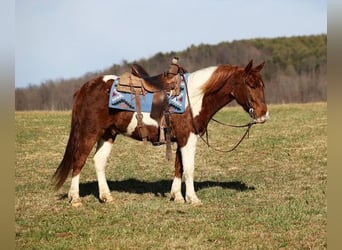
(126,101)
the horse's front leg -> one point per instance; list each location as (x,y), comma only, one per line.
(176,188)
(100,160)
(188,159)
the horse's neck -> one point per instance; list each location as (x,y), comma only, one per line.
(205,105)
(211,104)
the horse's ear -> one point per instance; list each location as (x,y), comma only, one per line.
(249,67)
(260,66)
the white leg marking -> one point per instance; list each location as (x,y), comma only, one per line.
(176,190)
(146,119)
(100,160)
(188,159)
(74,191)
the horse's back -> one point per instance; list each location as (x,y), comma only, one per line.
(95,88)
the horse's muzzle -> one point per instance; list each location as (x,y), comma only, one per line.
(262,119)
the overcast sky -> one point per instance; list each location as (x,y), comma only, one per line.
(68,38)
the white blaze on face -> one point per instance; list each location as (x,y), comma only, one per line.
(195,81)
(147,120)
(263,118)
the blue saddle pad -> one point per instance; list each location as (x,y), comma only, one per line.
(126,101)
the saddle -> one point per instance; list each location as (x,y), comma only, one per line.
(139,83)
(130,83)
(139,71)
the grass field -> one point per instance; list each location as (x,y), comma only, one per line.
(268,194)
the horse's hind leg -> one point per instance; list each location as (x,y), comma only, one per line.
(104,146)
(74,191)
(80,158)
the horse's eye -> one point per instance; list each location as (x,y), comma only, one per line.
(252,86)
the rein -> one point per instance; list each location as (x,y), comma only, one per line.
(206,141)
(248,125)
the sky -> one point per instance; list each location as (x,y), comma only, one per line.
(65,39)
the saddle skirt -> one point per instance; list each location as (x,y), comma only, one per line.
(126,101)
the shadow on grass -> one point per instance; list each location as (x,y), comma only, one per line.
(158,188)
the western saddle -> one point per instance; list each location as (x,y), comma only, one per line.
(138,82)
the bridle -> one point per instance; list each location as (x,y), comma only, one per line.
(250,107)
(248,125)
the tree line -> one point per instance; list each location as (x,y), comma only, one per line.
(295,70)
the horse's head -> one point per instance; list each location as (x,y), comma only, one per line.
(249,92)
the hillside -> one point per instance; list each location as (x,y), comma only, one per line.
(295,71)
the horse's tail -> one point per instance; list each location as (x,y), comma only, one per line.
(64,168)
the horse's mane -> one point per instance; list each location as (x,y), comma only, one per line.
(219,76)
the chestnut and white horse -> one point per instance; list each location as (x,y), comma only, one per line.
(209,90)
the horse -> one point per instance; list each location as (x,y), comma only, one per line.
(93,122)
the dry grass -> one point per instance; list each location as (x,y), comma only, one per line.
(270,193)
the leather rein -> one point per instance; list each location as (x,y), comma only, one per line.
(248,126)
(206,140)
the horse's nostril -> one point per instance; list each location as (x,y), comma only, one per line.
(263,118)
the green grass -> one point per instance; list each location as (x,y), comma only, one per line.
(270,193)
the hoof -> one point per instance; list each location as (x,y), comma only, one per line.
(178,198)
(196,203)
(106,198)
(76,203)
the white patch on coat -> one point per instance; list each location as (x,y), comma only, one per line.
(188,160)
(101,155)
(176,186)
(147,120)
(195,82)
(74,188)
(100,160)
(109,77)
